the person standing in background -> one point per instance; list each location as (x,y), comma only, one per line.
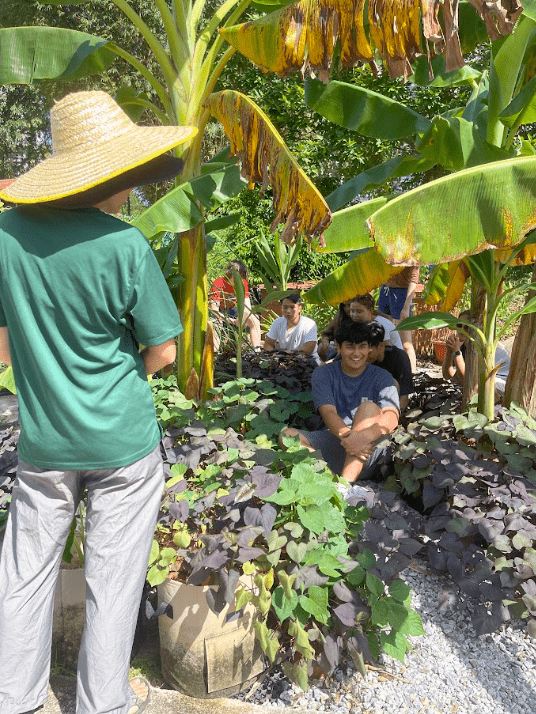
(396,296)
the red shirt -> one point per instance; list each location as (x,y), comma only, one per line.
(222,291)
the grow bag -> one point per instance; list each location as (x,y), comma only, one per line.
(206,655)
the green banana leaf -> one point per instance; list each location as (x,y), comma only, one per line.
(376,176)
(366,271)
(523,103)
(505,66)
(7,380)
(32,54)
(456,144)
(348,229)
(177,211)
(363,110)
(529,9)
(429,321)
(440,78)
(490,206)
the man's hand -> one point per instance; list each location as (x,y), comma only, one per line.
(357,443)
(454,343)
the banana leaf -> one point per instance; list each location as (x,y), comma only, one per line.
(376,176)
(363,110)
(445,285)
(306,34)
(366,271)
(177,211)
(348,229)
(33,54)
(266,159)
(490,206)
(455,143)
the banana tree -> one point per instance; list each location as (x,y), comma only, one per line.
(484,131)
(306,33)
(486,212)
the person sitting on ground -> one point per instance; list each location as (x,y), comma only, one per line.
(326,346)
(453,367)
(293,331)
(362,310)
(222,299)
(358,402)
(394,360)
(394,301)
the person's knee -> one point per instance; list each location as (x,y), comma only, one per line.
(286,432)
(367,410)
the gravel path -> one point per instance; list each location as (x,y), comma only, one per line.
(451,670)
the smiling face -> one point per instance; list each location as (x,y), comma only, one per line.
(291,310)
(353,357)
(360,313)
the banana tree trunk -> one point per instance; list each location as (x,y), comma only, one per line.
(521,383)
(195,347)
(470,381)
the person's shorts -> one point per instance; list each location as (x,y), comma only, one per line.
(334,453)
(391,301)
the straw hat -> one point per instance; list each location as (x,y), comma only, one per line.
(97,151)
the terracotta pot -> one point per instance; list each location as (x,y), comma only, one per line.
(206,655)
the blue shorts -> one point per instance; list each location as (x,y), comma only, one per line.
(334,454)
(391,301)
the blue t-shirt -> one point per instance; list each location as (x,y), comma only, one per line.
(332,386)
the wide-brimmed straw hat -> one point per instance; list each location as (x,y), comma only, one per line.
(97,151)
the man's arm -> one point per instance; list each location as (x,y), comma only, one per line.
(355,442)
(269,344)
(157,356)
(5,353)
(308,348)
(453,366)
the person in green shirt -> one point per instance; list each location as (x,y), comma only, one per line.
(80,292)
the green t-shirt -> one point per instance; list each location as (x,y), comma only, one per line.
(79,289)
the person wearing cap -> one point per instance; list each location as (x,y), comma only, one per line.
(80,292)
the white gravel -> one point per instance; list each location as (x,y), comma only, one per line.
(451,670)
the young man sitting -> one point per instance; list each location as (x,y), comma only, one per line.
(394,360)
(358,403)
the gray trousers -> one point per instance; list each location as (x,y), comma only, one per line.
(122,507)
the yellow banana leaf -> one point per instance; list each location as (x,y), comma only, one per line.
(366,271)
(446,284)
(304,35)
(526,256)
(266,159)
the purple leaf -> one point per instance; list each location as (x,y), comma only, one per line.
(179,510)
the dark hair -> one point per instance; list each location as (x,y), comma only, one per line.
(293,297)
(377,334)
(367,300)
(354,333)
(239,266)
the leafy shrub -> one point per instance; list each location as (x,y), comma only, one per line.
(233,505)
(476,481)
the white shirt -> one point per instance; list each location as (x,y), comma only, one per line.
(295,338)
(390,333)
